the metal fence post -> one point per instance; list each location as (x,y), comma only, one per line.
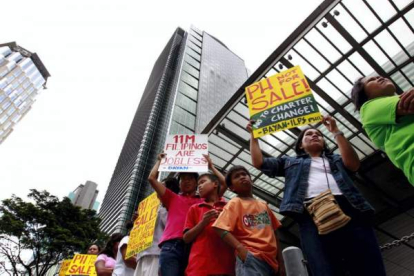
(294,262)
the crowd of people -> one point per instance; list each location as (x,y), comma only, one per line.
(199,233)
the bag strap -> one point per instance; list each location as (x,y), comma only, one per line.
(326,174)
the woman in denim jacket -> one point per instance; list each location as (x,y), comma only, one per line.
(351,249)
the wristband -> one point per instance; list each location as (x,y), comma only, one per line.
(337,133)
(224,234)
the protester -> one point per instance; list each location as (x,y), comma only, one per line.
(173,258)
(248,226)
(209,255)
(105,262)
(93,249)
(148,260)
(308,176)
(125,266)
(388,119)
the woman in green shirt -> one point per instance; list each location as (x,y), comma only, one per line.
(388,119)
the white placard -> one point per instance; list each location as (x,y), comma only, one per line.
(185,153)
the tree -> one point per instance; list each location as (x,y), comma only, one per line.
(49,228)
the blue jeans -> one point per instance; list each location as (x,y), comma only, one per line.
(172,258)
(253,266)
(351,250)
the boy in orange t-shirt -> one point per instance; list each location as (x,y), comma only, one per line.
(248,226)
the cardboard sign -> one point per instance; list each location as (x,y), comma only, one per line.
(280,102)
(142,235)
(185,153)
(82,264)
(64,267)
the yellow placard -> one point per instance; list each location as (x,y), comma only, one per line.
(82,264)
(142,235)
(64,267)
(280,102)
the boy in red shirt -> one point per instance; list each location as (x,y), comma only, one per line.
(172,257)
(209,255)
(248,226)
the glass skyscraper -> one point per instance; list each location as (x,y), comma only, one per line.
(191,80)
(22,76)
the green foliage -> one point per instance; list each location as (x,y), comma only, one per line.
(52,229)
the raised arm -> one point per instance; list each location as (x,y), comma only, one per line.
(153,177)
(220,176)
(255,151)
(349,156)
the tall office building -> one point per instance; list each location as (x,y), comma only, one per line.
(22,77)
(85,196)
(191,80)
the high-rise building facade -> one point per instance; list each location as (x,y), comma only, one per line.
(191,80)
(22,77)
(85,196)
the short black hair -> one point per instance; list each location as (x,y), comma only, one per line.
(193,174)
(300,151)
(358,95)
(109,247)
(172,183)
(129,225)
(232,170)
(212,178)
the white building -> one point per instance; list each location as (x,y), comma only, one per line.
(85,196)
(22,77)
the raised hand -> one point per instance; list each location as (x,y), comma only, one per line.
(249,126)
(161,156)
(330,123)
(209,161)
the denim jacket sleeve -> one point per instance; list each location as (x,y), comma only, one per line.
(273,167)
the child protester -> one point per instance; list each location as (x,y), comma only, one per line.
(173,259)
(248,226)
(209,255)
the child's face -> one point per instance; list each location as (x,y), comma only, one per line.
(188,184)
(206,186)
(241,182)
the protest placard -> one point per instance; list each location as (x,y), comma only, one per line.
(82,264)
(185,153)
(64,267)
(280,102)
(142,234)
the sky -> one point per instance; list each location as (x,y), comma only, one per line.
(100,54)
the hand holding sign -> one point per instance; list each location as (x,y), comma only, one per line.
(209,161)
(249,126)
(330,124)
(161,156)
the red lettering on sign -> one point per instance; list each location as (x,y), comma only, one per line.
(295,85)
